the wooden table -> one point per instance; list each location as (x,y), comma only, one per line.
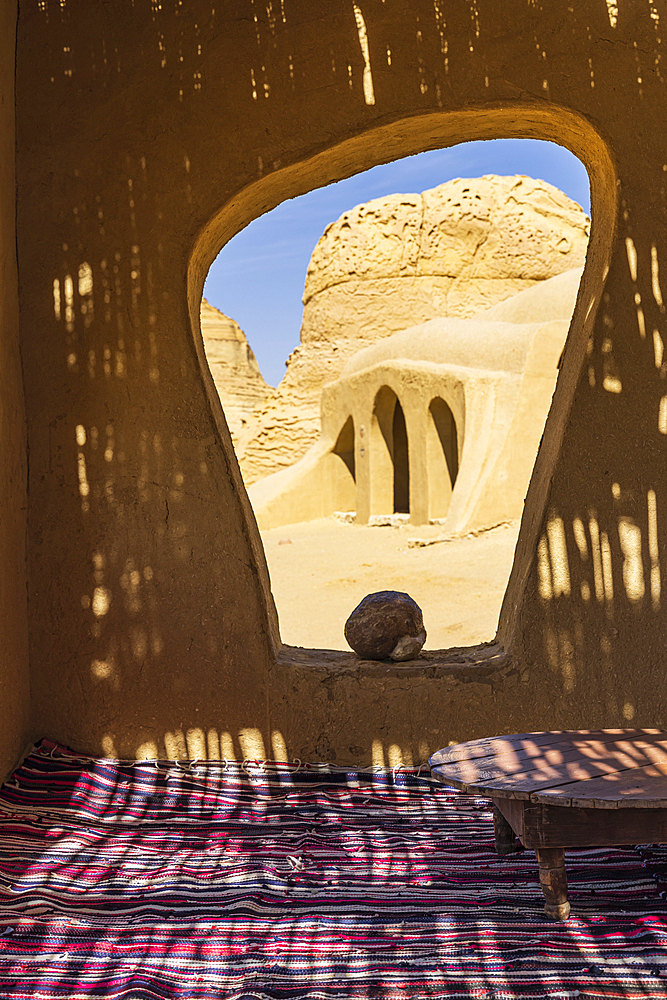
(565,789)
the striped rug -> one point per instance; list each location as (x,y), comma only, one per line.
(276,882)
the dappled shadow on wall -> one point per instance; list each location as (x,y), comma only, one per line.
(600,561)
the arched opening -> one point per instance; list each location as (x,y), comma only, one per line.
(388,456)
(401,462)
(442,457)
(339,490)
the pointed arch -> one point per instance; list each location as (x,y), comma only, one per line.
(442,457)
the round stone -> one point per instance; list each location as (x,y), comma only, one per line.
(385,625)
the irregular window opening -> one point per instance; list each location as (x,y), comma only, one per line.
(391,415)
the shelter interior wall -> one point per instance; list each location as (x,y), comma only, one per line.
(152,627)
(14,662)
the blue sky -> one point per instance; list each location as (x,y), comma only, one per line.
(258,277)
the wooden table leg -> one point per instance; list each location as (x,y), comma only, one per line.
(554,882)
(505,838)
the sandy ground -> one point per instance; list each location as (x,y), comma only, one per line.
(320,570)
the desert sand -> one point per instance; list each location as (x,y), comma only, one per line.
(320,570)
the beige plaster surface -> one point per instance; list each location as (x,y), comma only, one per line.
(14,679)
(321,570)
(147,135)
(394,262)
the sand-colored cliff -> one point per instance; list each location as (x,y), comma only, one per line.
(234,368)
(402,260)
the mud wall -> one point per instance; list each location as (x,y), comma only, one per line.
(14,681)
(148,134)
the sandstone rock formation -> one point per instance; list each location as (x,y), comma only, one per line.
(402,260)
(233,366)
